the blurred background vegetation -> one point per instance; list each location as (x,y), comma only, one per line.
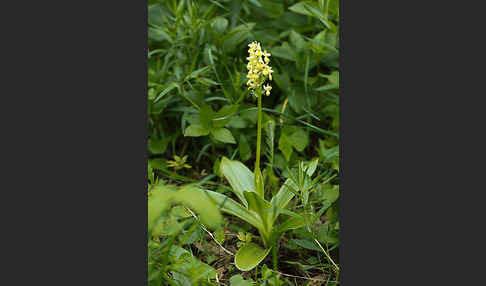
(197,77)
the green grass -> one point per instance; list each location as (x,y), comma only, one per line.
(197,87)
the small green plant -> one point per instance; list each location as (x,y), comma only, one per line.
(178,163)
(243,239)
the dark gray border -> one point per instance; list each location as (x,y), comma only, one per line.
(77,75)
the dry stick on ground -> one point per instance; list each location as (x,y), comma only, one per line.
(232,254)
(210,234)
(301,277)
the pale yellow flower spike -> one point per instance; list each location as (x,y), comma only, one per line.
(258,68)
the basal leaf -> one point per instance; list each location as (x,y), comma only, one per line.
(249,256)
(284,195)
(262,207)
(239,176)
(230,206)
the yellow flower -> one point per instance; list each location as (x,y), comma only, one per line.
(266,55)
(267,89)
(258,67)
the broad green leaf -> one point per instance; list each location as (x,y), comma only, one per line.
(297,40)
(263,208)
(307,244)
(158,164)
(283,81)
(302,8)
(319,45)
(249,256)
(195,131)
(284,51)
(250,115)
(283,197)
(297,101)
(299,140)
(291,223)
(230,206)
(223,135)
(224,115)
(239,176)
(237,122)
(331,194)
(206,115)
(310,9)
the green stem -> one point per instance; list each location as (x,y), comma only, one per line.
(275,255)
(259,129)
(328,256)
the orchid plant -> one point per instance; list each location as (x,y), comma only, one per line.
(248,186)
